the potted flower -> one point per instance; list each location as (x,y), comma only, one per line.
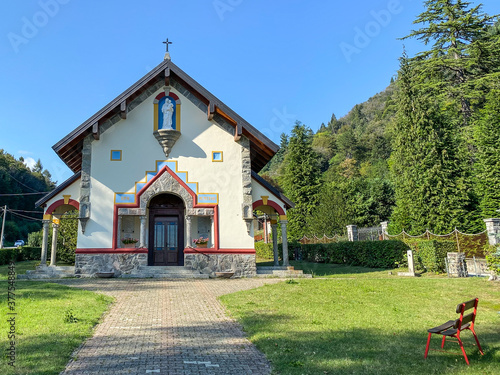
(129,242)
(201,242)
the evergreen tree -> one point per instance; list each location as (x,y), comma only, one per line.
(428,173)
(301,179)
(451,27)
(488,156)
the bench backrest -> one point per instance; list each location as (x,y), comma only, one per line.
(469,318)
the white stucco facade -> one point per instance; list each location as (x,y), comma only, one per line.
(203,167)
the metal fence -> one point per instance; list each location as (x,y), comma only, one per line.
(370,234)
(325,239)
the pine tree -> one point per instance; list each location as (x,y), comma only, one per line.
(488,156)
(452,28)
(428,173)
(301,179)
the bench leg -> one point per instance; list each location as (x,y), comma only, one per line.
(477,342)
(442,342)
(463,350)
(427,347)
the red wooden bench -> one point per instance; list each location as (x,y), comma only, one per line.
(453,328)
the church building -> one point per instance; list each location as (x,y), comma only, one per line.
(164,175)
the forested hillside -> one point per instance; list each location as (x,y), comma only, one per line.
(352,155)
(423,154)
(19,190)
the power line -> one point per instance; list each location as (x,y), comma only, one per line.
(12,195)
(34,212)
(15,179)
(24,216)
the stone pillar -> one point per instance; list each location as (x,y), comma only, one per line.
(493,230)
(411,265)
(142,239)
(285,242)
(457,267)
(45,240)
(384,224)
(274,226)
(188,230)
(53,252)
(352,232)
(119,232)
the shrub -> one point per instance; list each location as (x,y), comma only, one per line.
(30,253)
(374,254)
(264,250)
(493,258)
(431,253)
(19,254)
(8,255)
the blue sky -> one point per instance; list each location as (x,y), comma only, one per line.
(273,62)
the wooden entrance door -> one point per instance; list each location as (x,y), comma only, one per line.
(166,231)
(166,241)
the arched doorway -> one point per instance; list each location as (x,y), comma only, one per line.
(166,231)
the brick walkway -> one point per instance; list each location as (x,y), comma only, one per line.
(167,327)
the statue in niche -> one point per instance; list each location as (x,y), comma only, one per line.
(168,111)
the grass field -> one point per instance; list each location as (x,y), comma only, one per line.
(52,321)
(359,322)
(21,268)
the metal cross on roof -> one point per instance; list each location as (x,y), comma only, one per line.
(167,43)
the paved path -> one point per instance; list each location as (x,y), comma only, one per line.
(167,327)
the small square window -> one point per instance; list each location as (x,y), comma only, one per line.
(217,156)
(116,155)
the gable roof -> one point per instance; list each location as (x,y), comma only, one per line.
(272,189)
(58,189)
(69,149)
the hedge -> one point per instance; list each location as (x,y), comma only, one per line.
(431,253)
(19,254)
(373,254)
(265,250)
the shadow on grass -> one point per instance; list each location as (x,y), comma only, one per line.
(328,269)
(362,351)
(372,351)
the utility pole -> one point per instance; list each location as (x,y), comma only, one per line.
(3,226)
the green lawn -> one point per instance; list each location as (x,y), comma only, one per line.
(45,336)
(21,268)
(367,323)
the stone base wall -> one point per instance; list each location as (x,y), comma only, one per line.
(87,265)
(243,265)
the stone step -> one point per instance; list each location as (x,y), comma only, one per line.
(166,272)
(165,269)
(165,276)
(285,275)
(277,268)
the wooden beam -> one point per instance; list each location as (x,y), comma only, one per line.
(123,109)
(95,130)
(167,76)
(211,111)
(237,132)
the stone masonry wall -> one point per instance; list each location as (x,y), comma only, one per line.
(87,265)
(243,265)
